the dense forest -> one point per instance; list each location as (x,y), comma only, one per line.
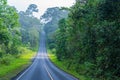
(30,27)
(50,19)
(85,36)
(9,29)
(89,37)
(19,37)
(17,29)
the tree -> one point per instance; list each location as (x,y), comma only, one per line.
(61,40)
(32,8)
(91,38)
(51,19)
(8,25)
(30,27)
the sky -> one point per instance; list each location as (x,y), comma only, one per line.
(21,5)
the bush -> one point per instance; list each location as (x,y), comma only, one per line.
(0,54)
(6,59)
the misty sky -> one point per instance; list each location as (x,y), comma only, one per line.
(22,5)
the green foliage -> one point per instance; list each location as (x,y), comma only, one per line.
(89,39)
(10,65)
(109,10)
(51,19)
(6,59)
(30,27)
(61,40)
(63,65)
(12,56)
(9,31)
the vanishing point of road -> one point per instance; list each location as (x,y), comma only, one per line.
(42,68)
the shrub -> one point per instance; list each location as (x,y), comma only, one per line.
(6,59)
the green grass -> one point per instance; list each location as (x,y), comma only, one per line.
(62,65)
(17,63)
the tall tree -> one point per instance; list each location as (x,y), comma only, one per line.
(92,41)
(8,28)
(51,19)
(30,26)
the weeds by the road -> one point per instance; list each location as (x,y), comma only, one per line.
(10,65)
(63,65)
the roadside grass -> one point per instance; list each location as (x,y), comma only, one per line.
(63,66)
(16,63)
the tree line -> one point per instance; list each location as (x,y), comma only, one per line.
(89,39)
(9,33)
(50,19)
(18,28)
(30,27)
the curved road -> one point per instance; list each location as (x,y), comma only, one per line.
(42,68)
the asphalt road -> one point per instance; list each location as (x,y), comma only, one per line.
(42,68)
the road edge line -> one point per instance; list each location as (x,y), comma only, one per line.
(25,71)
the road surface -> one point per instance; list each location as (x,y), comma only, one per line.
(42,68)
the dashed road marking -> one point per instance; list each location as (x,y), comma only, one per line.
(48,73)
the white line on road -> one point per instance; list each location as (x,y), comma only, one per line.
(48,73)
(24,72)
